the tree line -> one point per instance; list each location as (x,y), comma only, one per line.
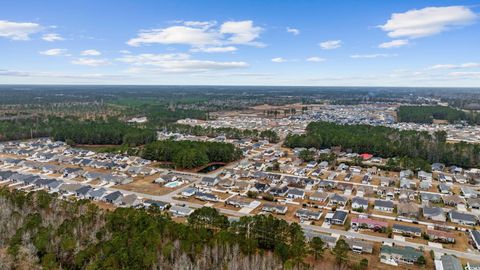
(190,154)
(102,132)
(41,231)
(417,147)
(426,114)
(228,132)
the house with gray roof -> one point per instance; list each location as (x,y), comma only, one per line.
(336,199)
(113,198)
(295,193)
(359,203)
(204,196)
(275,208)
(407,230)
(434,213)
(450,262)
(308,214)
(180,211)
(96,194)
(399,255)
(359,246)
(384,206)
(462,218)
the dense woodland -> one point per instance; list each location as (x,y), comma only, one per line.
(40,231)
(415,147)
(102,132)
(229,133)
(426,114)
(190,154)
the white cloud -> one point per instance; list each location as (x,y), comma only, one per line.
(90,62)
(376,55)
(330,44)
(51,37)
(452,66)
(90,53)
(427,21)
(54,52)
(279,60)
(176,62)
(241,32)
(293,31)
(393,44)
(466,74)
(125,52)
(215,49)
(202,35)
(18,30)
(315,59)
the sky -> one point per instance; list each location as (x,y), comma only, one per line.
(298,43)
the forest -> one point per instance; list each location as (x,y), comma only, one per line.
(110,132)
(190,154)
(386,142)
(229,133)
(426,114)
(41,231)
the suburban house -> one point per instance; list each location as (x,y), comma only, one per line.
(307,214)
(336,199)
(407,230)
(450,262)
(206,196)
(397,255)
(161,205)
(319,196)
(180,211)
(408,210)
(113,198)
(274,208)
(295,193)
(384,206)
(434,213)
(441,236)
(278,191)
(359,246)
(359,203)
(209,181)
(424,176)
(368,223)
(475,236)
(337,218)
(462,218)
(189,192)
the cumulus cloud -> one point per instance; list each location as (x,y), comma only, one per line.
(330,44)
(90,53)
(315,59)
(91,62)
(202,35)
(215,49)
(454,66)
(51,37)
(279,60)
(393,44)
(176,62)
(376,55)
(293,31)
(427,21)
(54,52)
(18,30)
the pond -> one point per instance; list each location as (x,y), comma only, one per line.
(211,168)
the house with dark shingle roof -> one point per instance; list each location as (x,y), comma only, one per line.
(397,254)
(384,206)
(462,218)
(407,230)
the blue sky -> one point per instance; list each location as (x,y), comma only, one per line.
(324,43)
